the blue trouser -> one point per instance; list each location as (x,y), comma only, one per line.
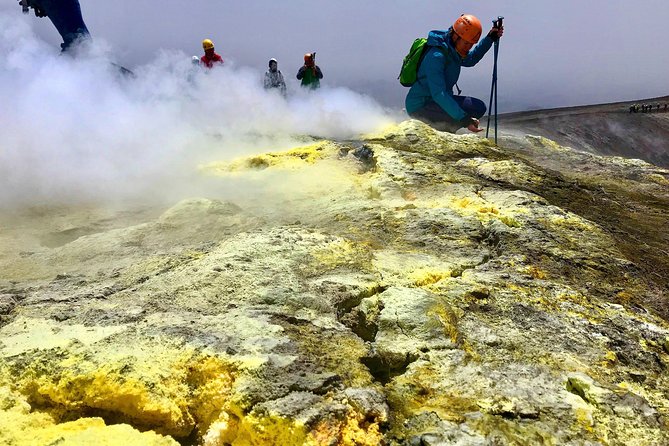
(435,116)
(66,17)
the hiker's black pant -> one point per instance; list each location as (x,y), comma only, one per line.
(435,116)
(66,17)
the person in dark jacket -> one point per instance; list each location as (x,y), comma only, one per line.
(310,74)
(431,98)
(65,16)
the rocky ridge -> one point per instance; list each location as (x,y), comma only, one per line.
(604,129)
(410,288)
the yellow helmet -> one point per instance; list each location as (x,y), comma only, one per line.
(207,44)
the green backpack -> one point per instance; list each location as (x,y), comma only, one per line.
(409,73)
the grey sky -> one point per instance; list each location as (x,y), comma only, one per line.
(554,53)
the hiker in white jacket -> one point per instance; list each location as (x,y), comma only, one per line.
(274,78)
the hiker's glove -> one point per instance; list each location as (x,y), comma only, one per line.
(472,124)
(496,33)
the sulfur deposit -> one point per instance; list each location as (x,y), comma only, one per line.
(410,288)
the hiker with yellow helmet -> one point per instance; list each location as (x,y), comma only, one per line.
(431,97)
(210,57)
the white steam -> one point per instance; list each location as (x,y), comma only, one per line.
(75,129)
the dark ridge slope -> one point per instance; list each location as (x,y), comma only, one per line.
(606,129)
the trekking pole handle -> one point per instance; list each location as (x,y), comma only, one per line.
(499,22)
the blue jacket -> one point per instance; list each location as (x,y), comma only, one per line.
(439,71)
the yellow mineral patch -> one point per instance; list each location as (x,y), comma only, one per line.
(514,433)
(483,210)
(275,430)
(536,272)
(354,431)
(424,277)
(583,413)
(659,179)
(289,159)
(510,221)
(571,222)
(410,269)
(465,202)
(89,431)
(634,388)
(584,418)
(341,253)
(148,404)
(211,380)
(416,393)
(548,143)
(154,384)
(85,431)
(625,296)
(223,431)
(488,210)
(358,432)
(449,318)
(21,426)
(371,193)
(553,301)
(610,357)
(270,430)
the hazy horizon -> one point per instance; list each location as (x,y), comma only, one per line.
(552,55)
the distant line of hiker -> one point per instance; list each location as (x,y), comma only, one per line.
(309,74)
(648,108)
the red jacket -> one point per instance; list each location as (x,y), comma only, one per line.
(209,63)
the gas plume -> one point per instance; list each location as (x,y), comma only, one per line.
(77,129)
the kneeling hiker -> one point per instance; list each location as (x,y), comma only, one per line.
(431,98)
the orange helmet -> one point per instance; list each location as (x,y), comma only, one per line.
(468,28)
(307,57)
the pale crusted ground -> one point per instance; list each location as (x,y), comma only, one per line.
(442,291)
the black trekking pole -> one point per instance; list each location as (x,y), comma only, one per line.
(493,89)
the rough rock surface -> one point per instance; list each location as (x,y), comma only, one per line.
(411,288)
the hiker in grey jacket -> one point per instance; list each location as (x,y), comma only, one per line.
(274,78)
